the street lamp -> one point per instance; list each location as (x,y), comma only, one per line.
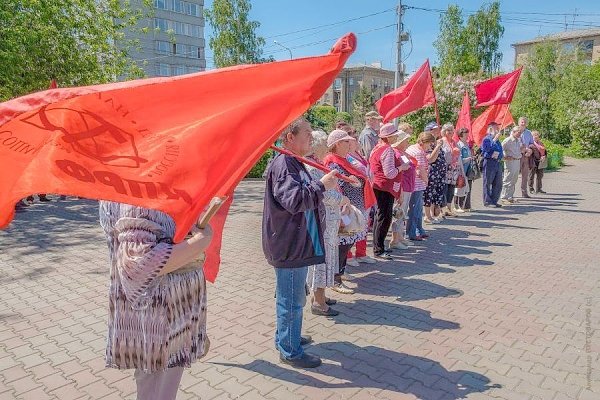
(287,48)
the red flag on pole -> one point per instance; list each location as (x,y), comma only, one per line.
(498,90)
(497,113)
(170,144)
(464,118)
(415,94)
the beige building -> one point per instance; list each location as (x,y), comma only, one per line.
(380,81)
(587,40)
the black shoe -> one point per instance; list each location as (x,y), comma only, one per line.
(44,199)
(331,302)
(304,340)
(383,256)
(541,191)
(525,195)
(329,313)
(497,205)
(306,361)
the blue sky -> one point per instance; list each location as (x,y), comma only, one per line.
(279,18)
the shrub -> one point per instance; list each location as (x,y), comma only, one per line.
(260,166)
(585,129)
(555,154)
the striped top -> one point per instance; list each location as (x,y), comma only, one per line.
(417,152)
(154,322)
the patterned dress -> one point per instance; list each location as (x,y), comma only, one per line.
(452,167)
(322,275)
(154,322)
(357,199)
(435,193)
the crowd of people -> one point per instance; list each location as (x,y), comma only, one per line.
(377,181)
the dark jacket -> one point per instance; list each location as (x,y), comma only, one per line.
(292,234)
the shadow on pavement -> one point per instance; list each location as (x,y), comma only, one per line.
(374,367)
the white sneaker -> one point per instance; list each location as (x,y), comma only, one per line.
(366,260)
(352,262)
(347,277)
(436,221)
(399,245)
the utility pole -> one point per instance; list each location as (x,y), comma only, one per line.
(399,75)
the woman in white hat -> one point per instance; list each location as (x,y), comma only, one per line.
(360,194)
(387,183)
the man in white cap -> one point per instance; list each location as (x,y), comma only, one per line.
(368,137)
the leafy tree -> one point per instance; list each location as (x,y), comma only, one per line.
(72,41)
(362,102)
(537,83)
(235,40)
(471,47)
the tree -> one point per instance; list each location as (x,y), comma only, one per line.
(362,102)
(72,41)
(538,80)
(235,40)
(464,49)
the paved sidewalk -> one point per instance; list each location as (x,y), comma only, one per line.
(502,303)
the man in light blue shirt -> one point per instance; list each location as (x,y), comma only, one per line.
(526,141)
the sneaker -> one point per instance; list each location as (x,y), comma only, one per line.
(341,288)
(353,262)
(366,260)
(383,256)
(459,210)
(406,242)
(306,361)
(437,220)
(397,245)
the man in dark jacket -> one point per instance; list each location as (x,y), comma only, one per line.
(292,237)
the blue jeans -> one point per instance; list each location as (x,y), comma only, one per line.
(414,226)
(290,301)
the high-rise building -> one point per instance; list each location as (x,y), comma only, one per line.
(174,40)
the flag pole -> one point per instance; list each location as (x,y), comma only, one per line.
(311,163)
(435,104)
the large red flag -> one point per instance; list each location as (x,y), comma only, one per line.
(498,90)
(415,94)
(170,144)
(498,113)
(464,117)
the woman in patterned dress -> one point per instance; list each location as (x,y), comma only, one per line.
(452,156)
(157,298)
(434,196)
(338,143)
(322,276)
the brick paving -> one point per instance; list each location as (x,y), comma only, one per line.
(499,304)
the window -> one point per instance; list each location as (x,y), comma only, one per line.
(161,24)
(163,69)
(163,47)
(161,4)
(178,6)
(587,46)
(337,84)
(179,70)
(351,81)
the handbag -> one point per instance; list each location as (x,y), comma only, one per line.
(474,171)
(543,164)
(460,181)
(353,222)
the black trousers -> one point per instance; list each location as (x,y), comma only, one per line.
(383,219)
(449,194)
(343,258)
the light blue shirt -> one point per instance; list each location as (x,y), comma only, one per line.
(526,138)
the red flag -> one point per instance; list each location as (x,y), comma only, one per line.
(415,94)
(497,113)
(170,144)
(53,84)
(464,118)
(498,90)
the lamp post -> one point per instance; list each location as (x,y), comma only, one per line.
(287,48)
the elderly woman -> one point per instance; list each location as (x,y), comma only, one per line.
(434,196)
(322,276)
(362,164)
(452,156)
(157,298)
(414,227)
(338,143)
(466,159)
(539,163)
(387,184)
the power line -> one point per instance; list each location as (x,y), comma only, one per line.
(511,12)
(332,24)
